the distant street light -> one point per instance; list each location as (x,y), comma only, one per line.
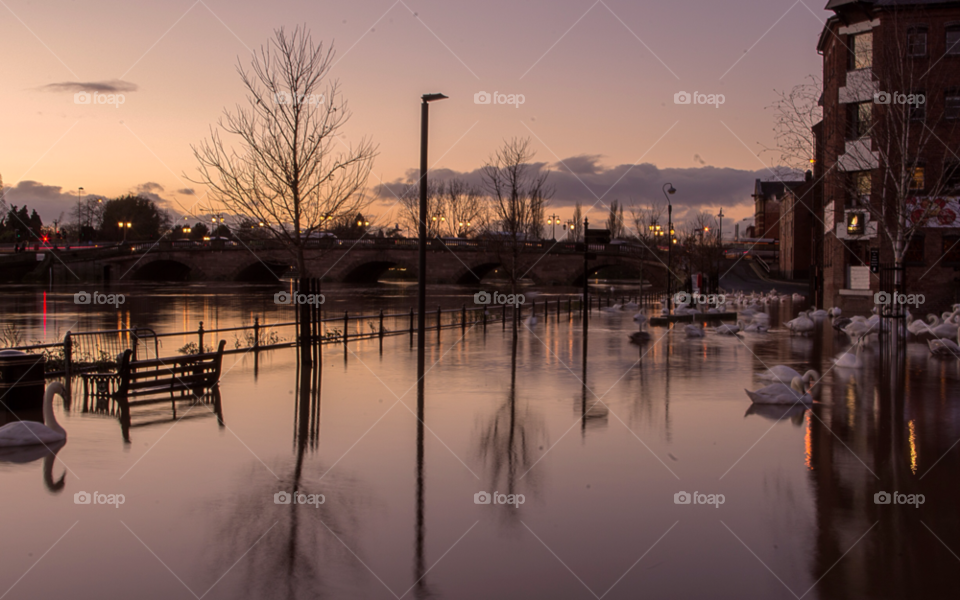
(125,227)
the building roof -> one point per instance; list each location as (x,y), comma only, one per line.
(773,189)
(847,11)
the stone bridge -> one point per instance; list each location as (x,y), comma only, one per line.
(457,261)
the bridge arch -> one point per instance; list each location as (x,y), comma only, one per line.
(266,271)
(162,269)
(370,270)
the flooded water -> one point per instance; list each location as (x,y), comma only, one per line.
(587,460)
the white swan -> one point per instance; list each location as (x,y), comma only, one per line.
(530,321)
(613,308)
(729,329)
(846,360)
(784,373)
(834,312)
(918,326)
(802,324)
(28,433)
(799,298)
(945,347)
(947,329)
(693,331)
(779,393)
(640,318)
(819,314)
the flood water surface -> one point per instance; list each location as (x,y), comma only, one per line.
(521,470)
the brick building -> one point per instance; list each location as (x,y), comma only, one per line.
(890,149)
(796,229)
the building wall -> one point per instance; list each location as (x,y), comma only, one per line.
(937,279)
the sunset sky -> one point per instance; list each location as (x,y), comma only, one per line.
(598,80)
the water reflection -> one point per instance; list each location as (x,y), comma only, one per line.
(511,439)
(292,550)
(27,454)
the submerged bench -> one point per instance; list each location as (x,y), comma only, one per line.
(167,379)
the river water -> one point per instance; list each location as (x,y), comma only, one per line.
(600,451)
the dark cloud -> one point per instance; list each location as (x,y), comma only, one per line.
(583,179)
(48,200)
(51,200)
(112,86)
(186,191)
(148,187)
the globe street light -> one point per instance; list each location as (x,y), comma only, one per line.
(553,220)
(668,190)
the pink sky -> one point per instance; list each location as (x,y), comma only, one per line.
(598,79)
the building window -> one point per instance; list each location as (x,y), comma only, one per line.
(859,186)
(953,40)
(951,177)
(951,104)
(860,117)
(914,254)
(917,182)
(951,251)
(917,42)
(918,110)
(861,51)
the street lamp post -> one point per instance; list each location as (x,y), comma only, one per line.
(668,189)
(79,214)
(553,220)
(422,227)
(720,232)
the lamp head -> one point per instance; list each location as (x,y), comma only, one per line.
(671,189)
(431,97)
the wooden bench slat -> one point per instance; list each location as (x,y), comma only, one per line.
(137,375)
(175,360)
(165,377)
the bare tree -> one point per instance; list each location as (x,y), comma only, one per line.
(577,221)
(465,207)
(645,219)
(794,115)
(409,197)
(615,223)
(518,191)
(289,169)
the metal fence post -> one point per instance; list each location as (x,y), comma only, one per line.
(200,338)
(256,333)
(67,354)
